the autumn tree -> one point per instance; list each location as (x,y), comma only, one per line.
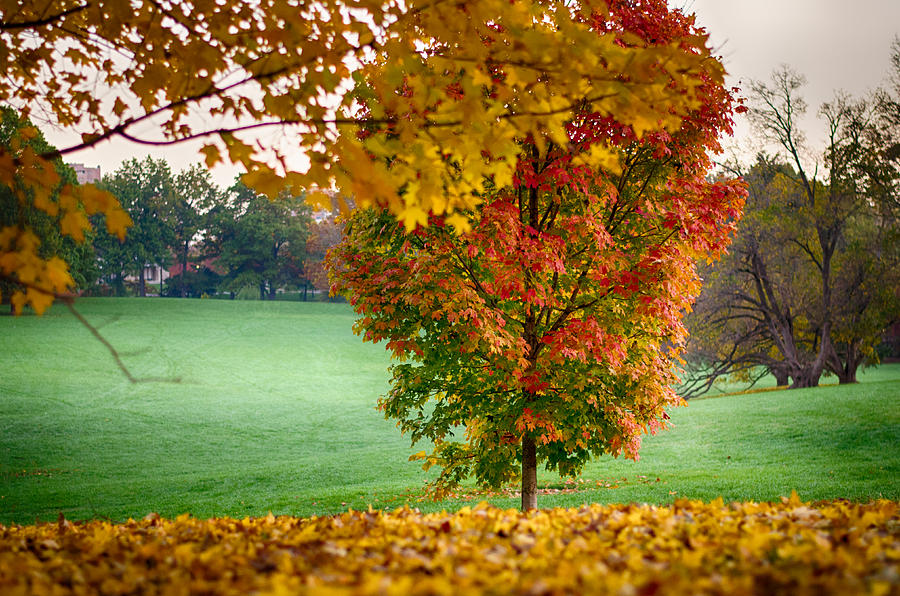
(880,163)
(809,286)
(324,234)
(18,209)
(754,313)
(546,334)
(238,76)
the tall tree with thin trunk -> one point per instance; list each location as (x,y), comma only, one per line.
(545,335)
(262,243)
(144,189)
(194,194)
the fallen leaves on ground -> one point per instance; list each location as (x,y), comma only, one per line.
(689,547)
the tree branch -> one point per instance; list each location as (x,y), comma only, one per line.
(42,22)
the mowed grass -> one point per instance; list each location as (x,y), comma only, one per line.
(270,407)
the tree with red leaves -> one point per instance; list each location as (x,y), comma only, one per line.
(546,334)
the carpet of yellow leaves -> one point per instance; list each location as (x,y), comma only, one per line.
(690,547)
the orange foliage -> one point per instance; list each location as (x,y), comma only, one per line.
(690,547)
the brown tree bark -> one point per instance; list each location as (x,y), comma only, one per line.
(529,473)
(184,256)
(781,374)
(846,364)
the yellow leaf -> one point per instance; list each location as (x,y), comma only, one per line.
(40,301)
(119,107)
(57,274)
(74,223)
(89,138)
(480,78)
(28,132)
(319,199)
(117,222)
(43,201)
(413,216)
(238,151)
(17,301)
(92,198)
(265,182)
(211,154)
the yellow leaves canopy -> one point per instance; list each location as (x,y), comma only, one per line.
(409,105)
(686,548)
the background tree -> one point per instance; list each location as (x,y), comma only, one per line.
(193,195)
(263,242)
(226,71)
(808,287)
(145,190)
(324,234)
(757,302)
(18,211)
(546,333)
(880,157)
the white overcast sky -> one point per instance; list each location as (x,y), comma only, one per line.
(837,44)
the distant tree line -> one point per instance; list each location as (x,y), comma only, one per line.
(211,240)
(812,281)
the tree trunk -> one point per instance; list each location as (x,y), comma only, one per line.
(845,365)
(118,285)
(847,378)
(806,377)
(183,271)
(142,284)
(782,377)
(529,449)
(262,291)
(529,473)
(305,289)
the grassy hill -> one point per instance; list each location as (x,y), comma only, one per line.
(250,407)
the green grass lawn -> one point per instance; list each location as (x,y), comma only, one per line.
(270,407)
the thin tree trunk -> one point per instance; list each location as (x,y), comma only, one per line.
(142,287)
(529,449)
(846,369)
(848,378)
(118,285)
(529,473)
(183,270)
(854,359)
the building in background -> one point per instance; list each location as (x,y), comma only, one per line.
(85,174)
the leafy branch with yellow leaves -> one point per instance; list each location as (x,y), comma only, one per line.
(411,105)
